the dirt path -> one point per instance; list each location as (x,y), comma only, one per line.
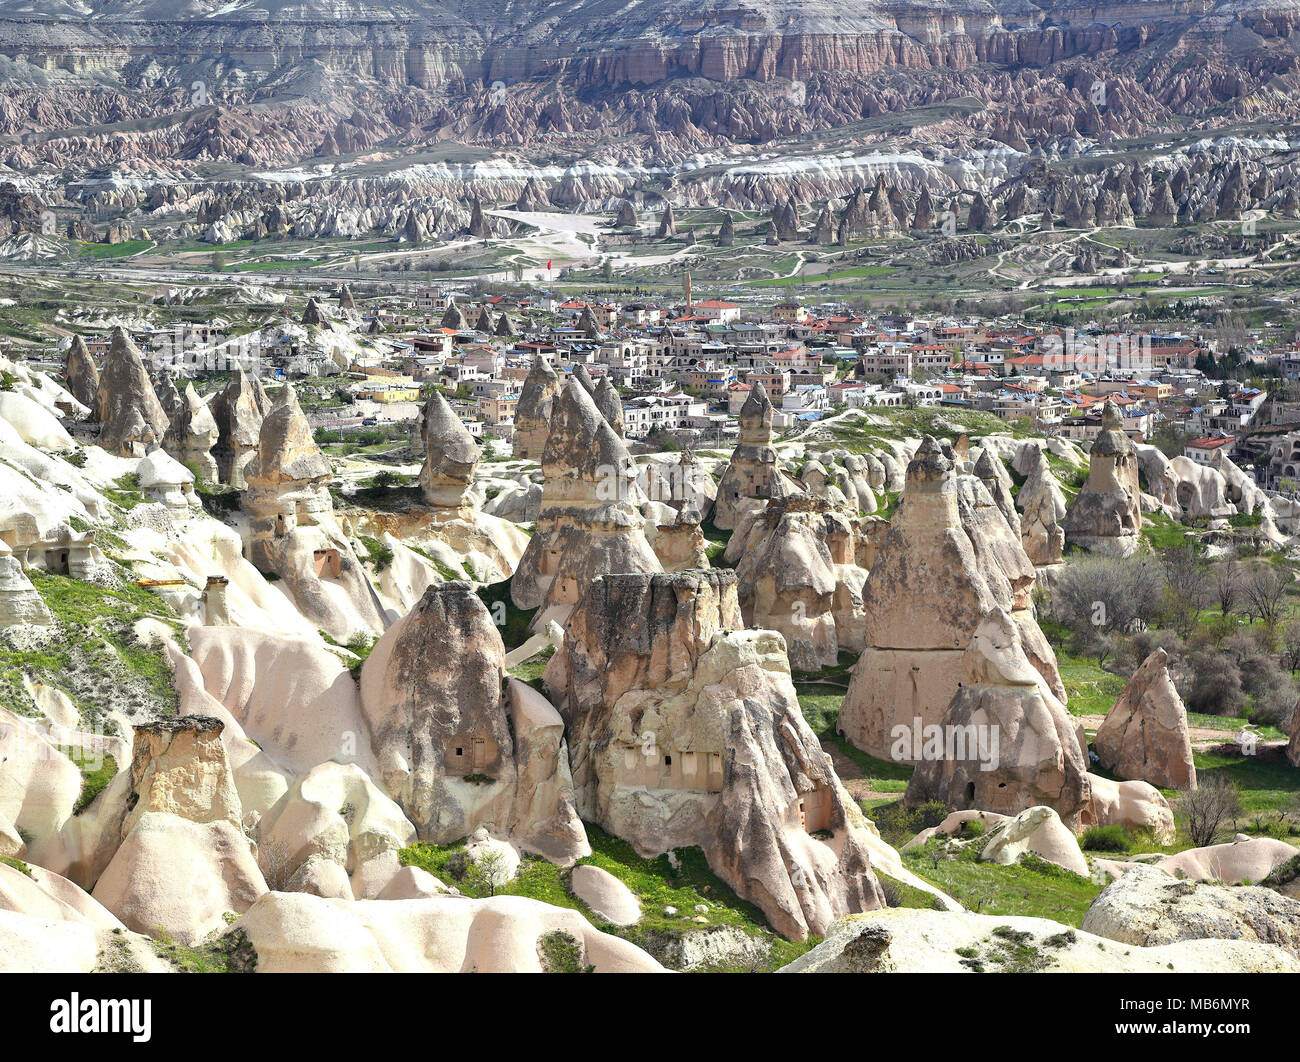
(1200,735)
(858,785)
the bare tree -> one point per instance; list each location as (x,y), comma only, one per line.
(1264,588)
(1098,597)
(1227,584)
(1291,646)
(1204,810)
(1186,591)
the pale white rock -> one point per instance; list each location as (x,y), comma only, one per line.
(297,933)
(606,895)
(903,940)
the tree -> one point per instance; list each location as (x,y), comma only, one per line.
(1264,588)
(1204,810)
(1291,646)
(1097,597)
(1186,587)
(487,870)
(1227,584)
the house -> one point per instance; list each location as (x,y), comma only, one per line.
(717,310)
(1202,451)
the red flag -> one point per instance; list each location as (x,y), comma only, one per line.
(548,267)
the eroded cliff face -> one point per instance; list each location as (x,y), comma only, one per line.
(335,80)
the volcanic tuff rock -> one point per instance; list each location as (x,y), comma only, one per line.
(610,404)
(1106,516)
(926,594)
(293,530)
(1145,734)
(132,419)
(238,410)
(799,575)
(1014,746)
(459,744)
(533,414)
(685,730)
(1148,907)
(1135,805)
(1042,505)
(81,377)
(192,434)
(752,477)
(589,522)
(903,940)
(450,457)
(19,601)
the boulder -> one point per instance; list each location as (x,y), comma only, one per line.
(607,897)
(1039,831)
(338,815)
(1135,805)
(180,878)
(1248,861)
(1147,907)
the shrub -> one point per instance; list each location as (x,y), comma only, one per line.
(1113,838)
(1206,809)
(1213,684)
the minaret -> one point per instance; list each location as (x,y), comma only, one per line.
(690,306)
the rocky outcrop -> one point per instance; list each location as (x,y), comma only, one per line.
(192,434)
(1145,735)
(19,601)
(533,414)
(902,940)
(685,730)
(752,478)
(589,523)
(1042,506)
(1005,743)
(1137,806)
(238,410)
(460,745)
(610,404)
(132,420)
(1147,907)
(799,575)
(293,532)
(926,594)
(81,377)
(450,457)
(296,933)
(1106,516)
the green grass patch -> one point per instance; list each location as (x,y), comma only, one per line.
(96,772)
(1032,887)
